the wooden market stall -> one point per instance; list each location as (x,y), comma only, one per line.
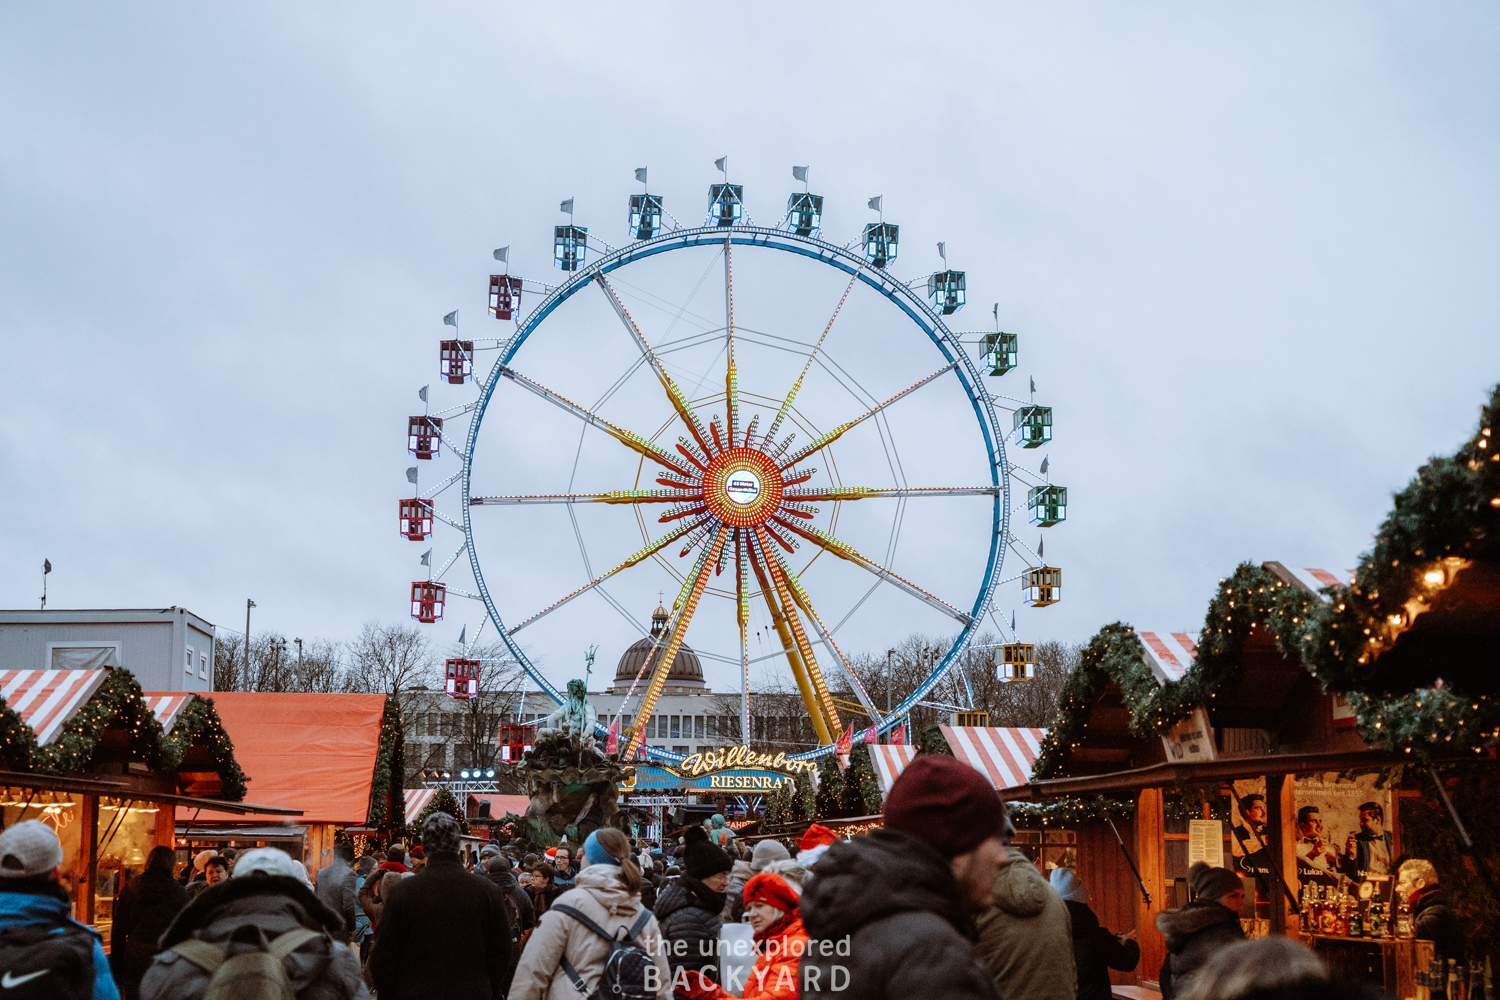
(105,765)
(335,758)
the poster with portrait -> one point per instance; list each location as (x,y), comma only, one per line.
(1247,845)
(1343,830)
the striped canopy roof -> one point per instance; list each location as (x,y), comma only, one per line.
(167,706)
(1169,654)
(1312,579)
(1005,756)
(46,699)
(416,801)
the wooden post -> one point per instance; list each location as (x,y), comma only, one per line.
(1150,858)
(1281,831)
(89,843)
(166,825)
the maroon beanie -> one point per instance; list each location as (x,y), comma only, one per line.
(946,804)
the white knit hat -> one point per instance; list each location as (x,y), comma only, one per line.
(268,861)
(29,849)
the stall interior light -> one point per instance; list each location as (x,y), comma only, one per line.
(1434,576)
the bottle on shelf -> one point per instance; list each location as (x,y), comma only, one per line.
(1356,919)
(1404,926)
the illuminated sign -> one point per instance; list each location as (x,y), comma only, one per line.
(741,757)
(743,487)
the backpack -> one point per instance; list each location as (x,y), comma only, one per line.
(50,961)
(251,975)
(624,976)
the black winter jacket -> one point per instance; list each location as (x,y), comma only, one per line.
(1096,951)
(1436,923)
(322,969)
(469,958)
(144,910)
(894,922)
(1195,934)
(524,912)
(688,911)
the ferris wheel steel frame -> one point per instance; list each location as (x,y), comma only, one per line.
(857,267)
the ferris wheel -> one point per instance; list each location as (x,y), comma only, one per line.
(731,505)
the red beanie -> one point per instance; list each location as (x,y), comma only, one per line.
(768,887)
(946,804)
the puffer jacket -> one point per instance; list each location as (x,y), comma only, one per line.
(600,896)
(689,912)
(1195,934)
(1096,951)
(734,894)
(25,902)
(774,976)
(523,914)
(146,908)
(322,969)
(1026,936)
(895,924)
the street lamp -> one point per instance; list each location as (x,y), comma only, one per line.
(888,654)
(299,656)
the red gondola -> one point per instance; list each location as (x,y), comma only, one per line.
(456,361)
(462,677)
(505,296)
(416,519)
(423,437)
(427,599)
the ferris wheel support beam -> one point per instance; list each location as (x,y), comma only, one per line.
(865,493)
(791,395)
(618,496)
(794,620)
(790,649)
(799,594)
(679,632)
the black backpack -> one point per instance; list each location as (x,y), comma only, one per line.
(624,976)
(46,962)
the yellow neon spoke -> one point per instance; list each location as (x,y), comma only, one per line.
(799,594)
(789,645)
(865,493)
(617,496)
(841,429)
(679,631)
(804,648)
(650,549)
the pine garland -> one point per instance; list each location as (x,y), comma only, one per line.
(1113,654)
(1069,812)
(830,797)
(443,800)
(17,741)
(803,803)
(389,762)
(862,790)
(118,701)
(199,723)
(931,740)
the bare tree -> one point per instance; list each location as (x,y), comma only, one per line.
(499,680)
(393,660)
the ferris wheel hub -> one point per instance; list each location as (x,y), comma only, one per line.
(742,487)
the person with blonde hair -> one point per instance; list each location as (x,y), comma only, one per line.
(565,950)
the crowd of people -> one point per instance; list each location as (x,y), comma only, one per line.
(937,903)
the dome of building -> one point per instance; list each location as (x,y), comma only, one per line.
(685,675)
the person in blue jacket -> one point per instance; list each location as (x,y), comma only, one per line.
(59,957)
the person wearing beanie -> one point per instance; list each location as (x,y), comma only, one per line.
(1096,949)
(470,956)
(690,911)
(1199,931)
(1025,936)
(495,868)
(608,894)
(814,843)
(897,905)
(264,896)
(774,907)
(395,859)
(32,896)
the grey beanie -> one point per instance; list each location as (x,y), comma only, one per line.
(29,849)
(1068,885)
(440,834)
(766,852)
(1212,883)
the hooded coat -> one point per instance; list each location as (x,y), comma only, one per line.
(1026,936)
(688,911)
(1195,934)
(600,896)
(322,969)
(891,918)
(470,958)
(1096,951)
(1436,923)
(28,901)
(146,908)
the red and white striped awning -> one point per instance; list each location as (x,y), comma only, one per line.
(1312,579)
(889,762)
(166,706)
(46,699)
(1005,756)
(416,801)
(1169,654)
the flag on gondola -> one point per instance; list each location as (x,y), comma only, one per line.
(640,174)
(451,319)
(800,173)
(612,744)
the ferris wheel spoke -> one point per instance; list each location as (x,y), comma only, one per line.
(865,493)
(847,552)
(617,496)
(644,553)
(786,405)
(821,701)
(674,394)
(700,576)
(742,614)
(440,487)
(788,646)
(841,429)
(799,594)
(630,440)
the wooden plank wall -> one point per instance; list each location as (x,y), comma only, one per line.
(1113,894)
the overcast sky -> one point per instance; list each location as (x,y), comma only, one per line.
(1250,253)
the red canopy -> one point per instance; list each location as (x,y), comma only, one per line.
(314,752)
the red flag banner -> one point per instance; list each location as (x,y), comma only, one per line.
(612,744)
(871,735)
(845,743)
(898,736)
